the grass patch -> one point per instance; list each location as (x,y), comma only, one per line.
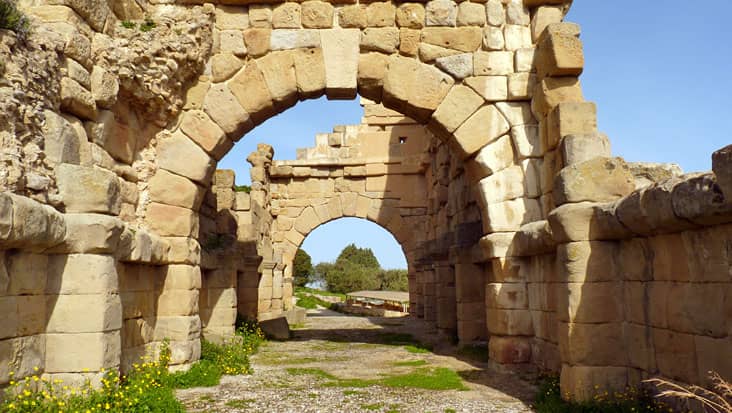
(411,363)
(128,24)
(320,292)
(310,301)
(410,344)
(424,378)
(205,373)
(353,392)
(418,349)
(147,25)
(239,403)
(549,400)
(373,406)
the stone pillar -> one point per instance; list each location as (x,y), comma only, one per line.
(177,319)
(429,279)
(218,304)
(83,317)
(446,304)
(265,290)
(287,289)
(469,296)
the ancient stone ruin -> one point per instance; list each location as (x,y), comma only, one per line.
(477,152)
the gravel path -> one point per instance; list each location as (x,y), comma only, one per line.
(347,347)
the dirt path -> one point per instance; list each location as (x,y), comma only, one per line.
(339,363)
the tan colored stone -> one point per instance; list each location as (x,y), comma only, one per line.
(598,180)
(429,53)
(180,155)
(410,15)
(257,41)
(340,53)
(283,39)
(495,13)
(371,72)
(441,13)
(62,142)
(480,129)
(493,63)
(77,100)
(224,65)
(89,313)
(224,109)
(104,87)
(352,16)
(511,215)
(207,134)
(552,91)
(464,39)
(492,88)
(231,17)
(543,17)
(310,72)
(509,350)
(471,14)
(409,41)
(82,352)
(286,16)
(592,261)
(380,14)
(560,54)
(382,39)
(168,220)
(493,157)
(506,296)
(85,189)
(416,88)
(505,322)
(570,118)
(260,15)
(592,344)
(516,37)
(278,69)
(250,89)
(317,14)
(172,189)
(459,104)
(231,41)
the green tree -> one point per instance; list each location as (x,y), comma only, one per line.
(302,268)
(394,280)
(360,256)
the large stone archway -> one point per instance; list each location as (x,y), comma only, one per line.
(111,137)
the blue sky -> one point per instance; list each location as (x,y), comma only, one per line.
(661,76)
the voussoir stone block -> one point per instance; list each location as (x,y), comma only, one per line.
(458,105)
(180,155)
(310,72)
(597,180)
(88,189)
(340,53)
(224,109)
(206,133)
(416,88)
(168,220)
(169,188)
(483,127)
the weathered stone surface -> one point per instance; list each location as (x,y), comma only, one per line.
(441,13)
(278,69)
(569,118)
(580,148)
(77,100)
(598,180)
(410,15)
(82,352)
(276,328)
(224,65)
(252,92)
(471,14)
(310,72)
(516,37)
(480,129)
(317,14)
(371,72)
(722,166)
(104,87)
(583,383)
(85,189)
(493,63)
(380,14)
(459,104)
(543,17)
(492,88)
(560,54)
(552,91)
(257,41)
(415,88)
(382,39)
(493,157)
(340,53)
(409,41)
(62,142)
(458,66)
(294,39)
(286,16)
(511,215)
(169,188)
(352,16)
(224,109)
(260,15)
(509,350)
(701,201)
(207,134)
(180,155)
(586,221)
(464,39)
(168,220)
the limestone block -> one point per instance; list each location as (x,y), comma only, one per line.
(524,60)
(509,350)
(701,201)
(231,17)
(224,65)
(224,109)
(317,14)
(686,309)
(31,313)
(491,88)
(506,296)
(278,69)
(526,141)
(471,14)
(517,113)
(592,344)
(459,104)
(511,215)
(28,224)
(172,189)
(180,155)
(310,72)
(606,299)
(552,91)
(493,38)
(84,189)
(340,53)
(80,352)
(516,37)
(352,16)
(570,118)
(409,41)
(583,383)
(429,53)
(441,13)
(483,127)
(458,66)
(710,358)
(286,16)
(168,220)
(599,180)
(543,17)
(505,322)
(203,131)
(586,221)
(284,39)
(588,262)
(61,141)
(77,100)
(493,63)
(104,87)
(495,156)
(27,273)
(464,39)
(91,233)
(675,355)
(521,86)
(177,328)
(115,136)
(496,245)
(560,54)
(177,303)
(180,277)
(503,185)
(83,313)
(495,13)
(195,95)
(410,15)
(380,14)
(583,147)
(250,86)
(183,250)
(722,167)
(257,41)
(381,39)
(260,15)
(415,88)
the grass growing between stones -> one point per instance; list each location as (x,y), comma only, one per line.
(423,378)
(549,400)
(410,344)
(410,363)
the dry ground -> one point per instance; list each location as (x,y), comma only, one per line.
(299,375)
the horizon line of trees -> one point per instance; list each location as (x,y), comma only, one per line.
(355,269)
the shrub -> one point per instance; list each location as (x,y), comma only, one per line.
(13,19)
(718,399)
(128,24)
(147,25)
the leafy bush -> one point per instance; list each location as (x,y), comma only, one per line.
(13,19)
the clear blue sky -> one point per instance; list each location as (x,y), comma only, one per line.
(660,72)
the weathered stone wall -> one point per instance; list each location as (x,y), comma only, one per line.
(110,138)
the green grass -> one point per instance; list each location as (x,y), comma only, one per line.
(311,302)
(205,373)
(549,400)
(147,25)
(424,378)
(352,392)
(407,340)
(411,363)
(239,403)
(128,24)
(320,292)
(373,406)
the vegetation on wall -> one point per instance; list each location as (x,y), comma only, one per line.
(13,19)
